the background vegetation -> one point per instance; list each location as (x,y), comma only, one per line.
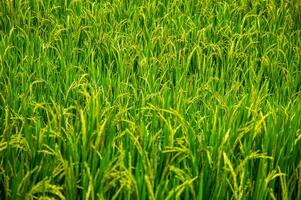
(150,99)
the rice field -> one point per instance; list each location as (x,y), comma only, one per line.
(150,99)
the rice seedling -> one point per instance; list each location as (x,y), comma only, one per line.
(150,99)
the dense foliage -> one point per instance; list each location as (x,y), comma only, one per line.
(150,99)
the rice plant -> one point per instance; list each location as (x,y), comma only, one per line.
(152,99)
